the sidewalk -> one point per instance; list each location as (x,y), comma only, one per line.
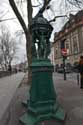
(69,96)
(8,87)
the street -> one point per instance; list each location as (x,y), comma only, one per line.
(8,87)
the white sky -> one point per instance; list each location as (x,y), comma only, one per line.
(13,25)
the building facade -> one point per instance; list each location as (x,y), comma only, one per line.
(72,36)
(51,56)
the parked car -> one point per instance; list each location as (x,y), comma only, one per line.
(61,70)
(75,67)
(56,67)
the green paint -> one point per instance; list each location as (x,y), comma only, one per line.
(42,104)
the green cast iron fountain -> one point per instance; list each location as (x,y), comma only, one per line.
(42,104)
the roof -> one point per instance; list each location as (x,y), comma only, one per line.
(72,20)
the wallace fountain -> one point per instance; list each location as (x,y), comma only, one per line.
(42,104)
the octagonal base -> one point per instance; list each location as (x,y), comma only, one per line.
(29,119)
(42,104)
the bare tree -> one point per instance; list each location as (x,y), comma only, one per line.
(1,61)
(7,48)
(74,2)
(27,33)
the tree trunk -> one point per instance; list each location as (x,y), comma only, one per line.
(26,30)
(29,55)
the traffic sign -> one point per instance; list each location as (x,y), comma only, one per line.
(64,51)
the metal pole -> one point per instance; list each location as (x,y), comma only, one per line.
(77,77)
(64,68)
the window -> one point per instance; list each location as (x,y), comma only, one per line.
(67,46)
(56,52)
(75,45)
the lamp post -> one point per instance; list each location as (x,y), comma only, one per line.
(64,54)
(42,103)
(64,68)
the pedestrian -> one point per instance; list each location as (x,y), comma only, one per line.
(80,68)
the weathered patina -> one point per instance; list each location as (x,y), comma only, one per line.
(42,104)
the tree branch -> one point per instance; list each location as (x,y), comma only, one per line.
(75,2)
(18,15)
(29,11)
(54,19)
(46,2)
(7,19)
(36,5)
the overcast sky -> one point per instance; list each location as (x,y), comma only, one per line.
(56,9)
